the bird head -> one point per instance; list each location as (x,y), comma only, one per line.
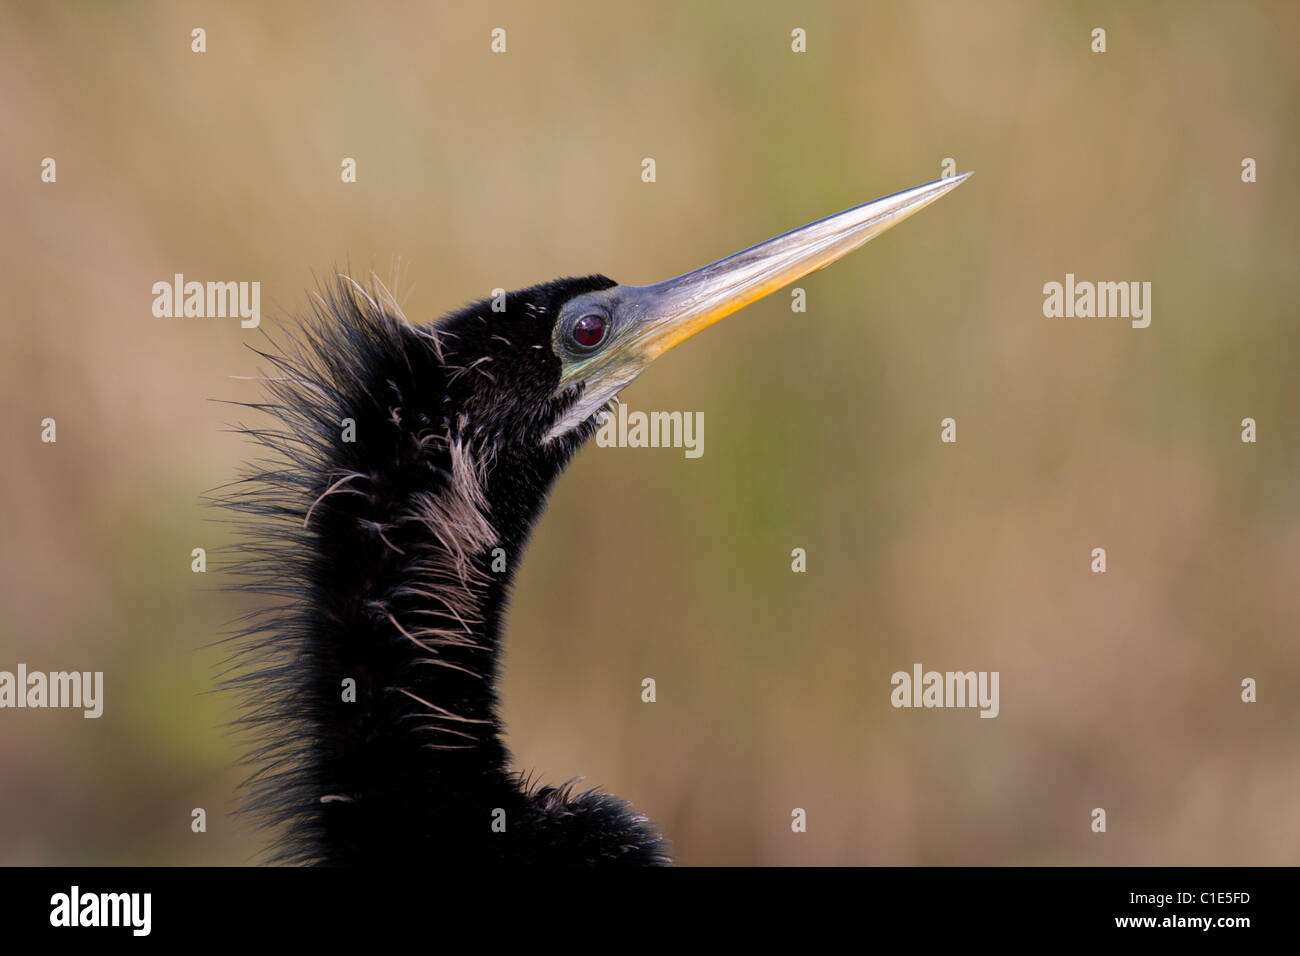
(554,355)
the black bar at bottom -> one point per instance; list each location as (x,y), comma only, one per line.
(427,903)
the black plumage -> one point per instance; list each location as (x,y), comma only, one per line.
(381,552)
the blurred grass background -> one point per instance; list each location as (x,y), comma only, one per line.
(478,171)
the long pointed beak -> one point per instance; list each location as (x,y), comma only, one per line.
(668,313)
(646,321)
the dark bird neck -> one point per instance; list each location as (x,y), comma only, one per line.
(392,546)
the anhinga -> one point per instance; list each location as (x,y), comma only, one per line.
(408,468)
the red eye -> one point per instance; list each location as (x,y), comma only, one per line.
(588,331)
